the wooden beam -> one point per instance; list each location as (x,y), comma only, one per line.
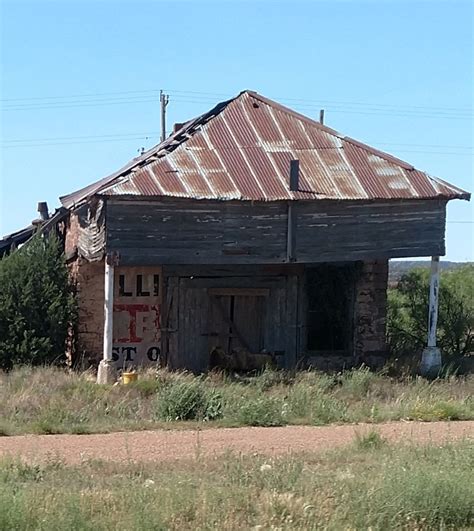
(242,292)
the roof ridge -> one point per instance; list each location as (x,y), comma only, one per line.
(293,113)
(332,131)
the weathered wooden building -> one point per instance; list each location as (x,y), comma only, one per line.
(251,228)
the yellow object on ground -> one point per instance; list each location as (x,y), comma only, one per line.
(128,377)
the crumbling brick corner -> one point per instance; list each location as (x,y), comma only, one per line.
(370,313)
(85,348)
(88,278)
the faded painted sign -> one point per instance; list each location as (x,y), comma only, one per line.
(137,309)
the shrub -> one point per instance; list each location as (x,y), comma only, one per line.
(358,382)
(37,306)
(408,313)
(188,400)
(326,409)
(431,410)
(421,488)
(261,411)
(369,441)
(271,378)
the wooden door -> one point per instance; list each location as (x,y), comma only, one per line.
(233,313)
(193,351)
(236,319)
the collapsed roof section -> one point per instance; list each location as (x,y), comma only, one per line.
(241,150)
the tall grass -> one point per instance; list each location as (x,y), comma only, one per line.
(387,487)
(50,400)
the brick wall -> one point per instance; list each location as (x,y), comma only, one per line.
(89,281)
(88,278)
(72,235)
(370,312)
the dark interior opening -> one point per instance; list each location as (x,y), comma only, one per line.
(330,290)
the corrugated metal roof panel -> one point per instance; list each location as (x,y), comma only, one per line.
(241,149)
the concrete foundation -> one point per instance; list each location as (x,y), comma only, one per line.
(430,362)
(106,373)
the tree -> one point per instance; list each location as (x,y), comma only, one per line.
(37,305)
(408,313)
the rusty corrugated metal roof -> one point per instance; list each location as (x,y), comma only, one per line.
(241,149)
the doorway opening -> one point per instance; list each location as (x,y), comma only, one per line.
(330,292)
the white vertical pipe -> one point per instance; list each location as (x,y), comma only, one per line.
(434,295)
(108,309)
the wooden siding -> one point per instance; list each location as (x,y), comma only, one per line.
(233,232)
(356,230)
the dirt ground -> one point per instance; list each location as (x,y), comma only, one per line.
(169,445)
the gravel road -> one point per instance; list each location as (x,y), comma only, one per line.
(163,445)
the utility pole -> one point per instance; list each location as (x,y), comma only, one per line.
(321,116)
(164,100)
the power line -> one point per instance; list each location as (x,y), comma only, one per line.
(96,141)
(391,110)
(129,97)
(92,103)
(68,140)
(210,96)
(319,101)
(83,95)
(81,137)
(424,145)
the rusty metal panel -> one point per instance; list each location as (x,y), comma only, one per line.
(137,311)
(314,174)
(208,161)
(241,149)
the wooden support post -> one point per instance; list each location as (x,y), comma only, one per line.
(108,310)
(434,295)
(107,373)
(431,357)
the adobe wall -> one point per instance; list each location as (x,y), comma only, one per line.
(88,278)
(370,313)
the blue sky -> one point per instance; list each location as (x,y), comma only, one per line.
(80,83)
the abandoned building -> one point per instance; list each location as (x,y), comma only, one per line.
(251,229)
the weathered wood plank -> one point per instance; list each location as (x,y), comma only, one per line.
(291,321)
(192,353)
(226,233)
(232,282)
(241,292)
